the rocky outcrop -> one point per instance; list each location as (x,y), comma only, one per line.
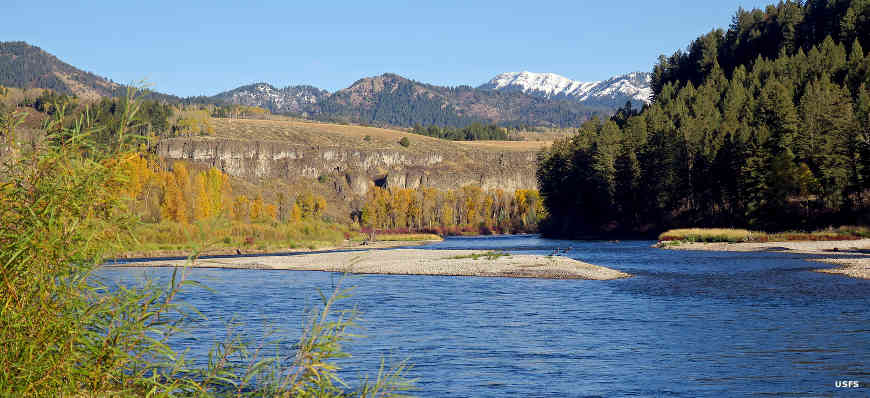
(353,170)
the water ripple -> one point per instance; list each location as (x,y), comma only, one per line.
(688,324)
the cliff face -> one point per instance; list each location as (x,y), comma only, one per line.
(354,170)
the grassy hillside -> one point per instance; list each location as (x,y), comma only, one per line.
(332,160)
(308,132)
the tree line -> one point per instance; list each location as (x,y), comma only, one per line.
(154,118)
(472,132)
(469,208)
(159,193)
(776,136)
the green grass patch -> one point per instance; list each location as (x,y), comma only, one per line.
(221,234)
(709,235)
(490,255)
(742,235)
(397,237)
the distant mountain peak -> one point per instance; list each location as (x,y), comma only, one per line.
(613,92)
(548,84)
(290,99)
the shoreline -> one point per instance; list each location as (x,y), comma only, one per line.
(851,256)
(410,262)
(231,251)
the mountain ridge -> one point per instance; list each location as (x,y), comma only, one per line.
(388,98)
(385,100)
(27,66)
(391,99)
(613,92)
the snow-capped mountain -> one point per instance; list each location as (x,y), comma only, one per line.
(527,99)
(613,92)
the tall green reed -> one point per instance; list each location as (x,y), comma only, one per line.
(64,332)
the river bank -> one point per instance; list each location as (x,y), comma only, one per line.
(853,256)
(228,251)
(413,262)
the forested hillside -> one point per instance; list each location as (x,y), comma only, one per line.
(765,125)
(25,66)
(392,100)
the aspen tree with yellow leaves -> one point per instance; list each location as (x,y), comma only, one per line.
(469,208)
(257,208)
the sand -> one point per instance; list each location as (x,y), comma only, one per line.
(413,262)
(853,256)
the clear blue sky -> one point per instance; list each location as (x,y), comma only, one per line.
(201,48)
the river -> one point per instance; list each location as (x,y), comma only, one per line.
(687,324)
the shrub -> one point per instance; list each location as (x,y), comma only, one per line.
(405,142)
(65,333)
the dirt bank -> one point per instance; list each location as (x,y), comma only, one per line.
(227,251)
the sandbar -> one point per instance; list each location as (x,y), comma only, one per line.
(412,262)
(852,256)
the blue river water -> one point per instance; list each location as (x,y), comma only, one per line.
(687,324)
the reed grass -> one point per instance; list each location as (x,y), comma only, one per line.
(65,333)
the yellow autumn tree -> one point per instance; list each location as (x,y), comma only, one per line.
(270,212)
(415,210)
(202,206)
(306,204)
(520,205)
(241,208)
(257,208)
(172,206)
(486,210)
(136,170)
(220,191)
(406,208)
(428,206)
(295,213)
(194,122)
(471,203)
(319,206)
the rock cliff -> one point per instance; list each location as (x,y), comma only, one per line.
(354,170)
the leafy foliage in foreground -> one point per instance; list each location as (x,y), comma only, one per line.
(66,333)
